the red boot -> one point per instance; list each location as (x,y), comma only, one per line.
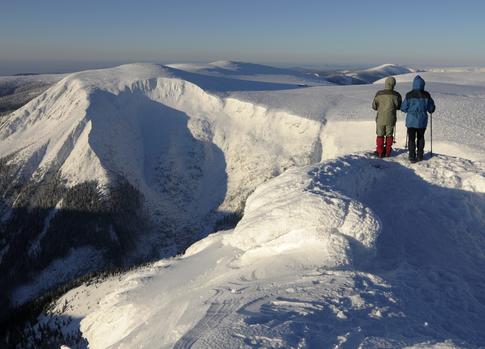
(380,146)
(389,140)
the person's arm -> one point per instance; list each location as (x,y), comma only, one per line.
(375,104)
(399,101)
(405,105)
(431,106)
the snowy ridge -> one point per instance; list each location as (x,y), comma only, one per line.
(350,122)
(368,76)
(68,112)
(254,72)
(191,154)
(390,68)
(335,247)
(472,78)
(457,70)
(364,276)
(384,70)
(16,91)
(288,214)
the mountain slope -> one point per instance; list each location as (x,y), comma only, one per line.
(151,158)
(253,72)
(352,252)
(114,167)
(15,91)
(368,76)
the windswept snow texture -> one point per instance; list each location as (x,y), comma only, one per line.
(352,252)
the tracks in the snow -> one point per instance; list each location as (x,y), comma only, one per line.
(217,312)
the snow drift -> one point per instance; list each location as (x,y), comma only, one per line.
(306,214)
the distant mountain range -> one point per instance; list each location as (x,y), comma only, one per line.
(15,91)
(365,76)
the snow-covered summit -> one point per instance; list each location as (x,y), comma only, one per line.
(370,75)
(255,72)
(232,67)
(191,157)
(99,116)
(390,68)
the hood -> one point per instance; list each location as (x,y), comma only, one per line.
(390,83)
(418,83)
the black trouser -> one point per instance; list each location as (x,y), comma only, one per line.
(414,133)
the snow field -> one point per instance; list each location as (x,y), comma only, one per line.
(350,251)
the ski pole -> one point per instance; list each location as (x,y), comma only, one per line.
(405,144)
(431,132)
(394,136)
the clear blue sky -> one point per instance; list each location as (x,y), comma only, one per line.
(55,35)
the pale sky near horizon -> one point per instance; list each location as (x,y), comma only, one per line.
(59,36)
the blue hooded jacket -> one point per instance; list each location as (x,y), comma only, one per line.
(417,104)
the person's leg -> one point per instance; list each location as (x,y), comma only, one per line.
(380,130)
(420,133)
(389,139)
(412,143)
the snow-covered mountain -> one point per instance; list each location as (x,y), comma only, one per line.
(460,76)
(334,248)
(352,252)
(119,165)
(15,91)
(367,76)
(254,72)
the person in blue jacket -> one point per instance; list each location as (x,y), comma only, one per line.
(417,104)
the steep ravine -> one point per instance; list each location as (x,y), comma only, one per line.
(137,164)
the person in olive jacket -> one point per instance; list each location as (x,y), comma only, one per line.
(386,102)
(417,104)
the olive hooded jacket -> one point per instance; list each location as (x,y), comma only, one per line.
(387,102)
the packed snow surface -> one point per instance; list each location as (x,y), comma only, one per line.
(335,248)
